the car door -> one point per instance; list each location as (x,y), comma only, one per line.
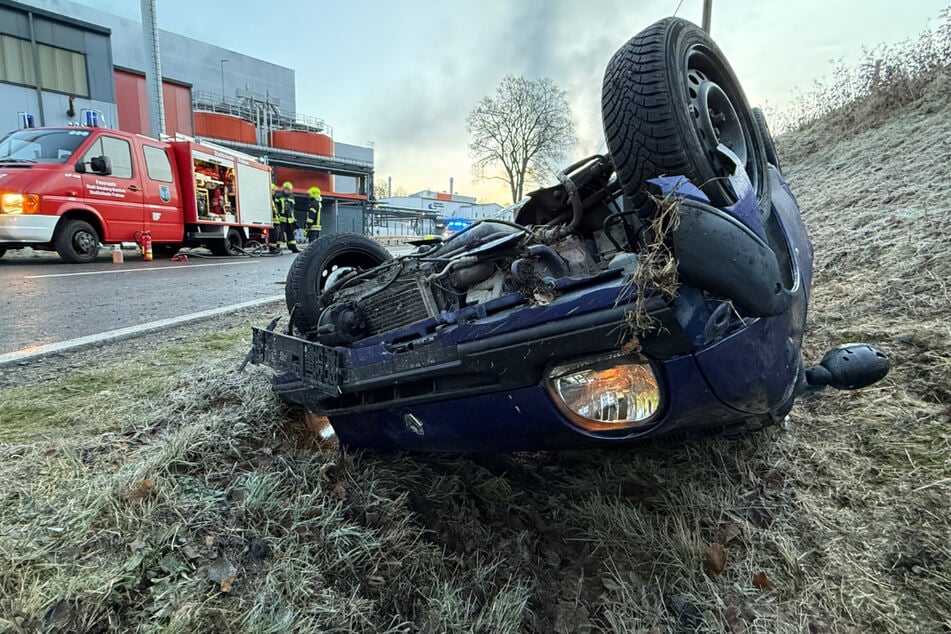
(117,196)
(163,205)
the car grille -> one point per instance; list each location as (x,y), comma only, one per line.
(399,305)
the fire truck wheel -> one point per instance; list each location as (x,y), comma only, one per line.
(229,246)
(318,263)
(77,241)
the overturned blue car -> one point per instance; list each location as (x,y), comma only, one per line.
(661,288)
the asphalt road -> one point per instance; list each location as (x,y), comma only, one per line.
(44,300)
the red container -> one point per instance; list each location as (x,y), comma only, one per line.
(214,125)
(300,141)
(304,179)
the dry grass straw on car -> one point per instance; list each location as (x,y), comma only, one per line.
(656,271)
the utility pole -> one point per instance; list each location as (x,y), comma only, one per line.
(707,11)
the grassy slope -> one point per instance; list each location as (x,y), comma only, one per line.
(211,508)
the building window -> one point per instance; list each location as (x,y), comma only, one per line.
(61,70)
(156,164)
(118,151)
(16,62)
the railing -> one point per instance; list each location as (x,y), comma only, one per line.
(253,108)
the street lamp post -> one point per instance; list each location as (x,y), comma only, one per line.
(223,79)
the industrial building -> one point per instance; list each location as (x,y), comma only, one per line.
(62,63)
(425,212)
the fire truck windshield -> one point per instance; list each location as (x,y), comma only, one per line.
(41,145)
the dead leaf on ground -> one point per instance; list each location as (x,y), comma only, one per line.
(714,559)
(738,617)
(141,490)
(219,571)
(760,582)
(226,583)
(341,490)
(726,534)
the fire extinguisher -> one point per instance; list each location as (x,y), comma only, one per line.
(146,246)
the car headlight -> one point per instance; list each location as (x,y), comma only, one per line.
(607,393)
(13,203)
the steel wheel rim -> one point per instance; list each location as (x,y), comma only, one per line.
(340,265)
(85,242)
(715,116)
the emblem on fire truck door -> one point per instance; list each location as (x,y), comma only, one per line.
(165,193)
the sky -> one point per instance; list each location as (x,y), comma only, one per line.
(403,74)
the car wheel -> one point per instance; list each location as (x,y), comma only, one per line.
(668,99)
(77,241)
(231,245)
(317,264)
(768,145)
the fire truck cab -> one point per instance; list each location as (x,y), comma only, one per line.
(73,189)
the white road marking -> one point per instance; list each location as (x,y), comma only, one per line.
(121,333)
(150,268)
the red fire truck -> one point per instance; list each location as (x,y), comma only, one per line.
(74,189)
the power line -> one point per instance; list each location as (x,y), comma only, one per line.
(679,4)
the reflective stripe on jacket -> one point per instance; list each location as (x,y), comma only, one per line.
(283,208)
(313,213)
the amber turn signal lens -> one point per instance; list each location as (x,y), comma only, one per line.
(13,203)
(607,393)
(31,203)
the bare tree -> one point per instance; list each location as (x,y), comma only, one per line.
(525,128)
(379,189)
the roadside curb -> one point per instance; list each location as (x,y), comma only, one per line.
(35,352)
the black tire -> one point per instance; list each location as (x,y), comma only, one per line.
(308,274)
(652,123)
(768,145)
(231,245)
(77,241)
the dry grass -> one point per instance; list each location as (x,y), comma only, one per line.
(864,95)
(212,509)
(656,265)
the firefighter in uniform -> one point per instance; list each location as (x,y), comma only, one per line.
(312,226)
(284,220)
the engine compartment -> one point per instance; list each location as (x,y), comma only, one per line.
(573,229)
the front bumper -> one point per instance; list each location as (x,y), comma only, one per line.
(27,228)
(489,393)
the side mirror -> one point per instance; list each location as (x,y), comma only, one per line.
(101,165)
(849,367)
(81,167)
